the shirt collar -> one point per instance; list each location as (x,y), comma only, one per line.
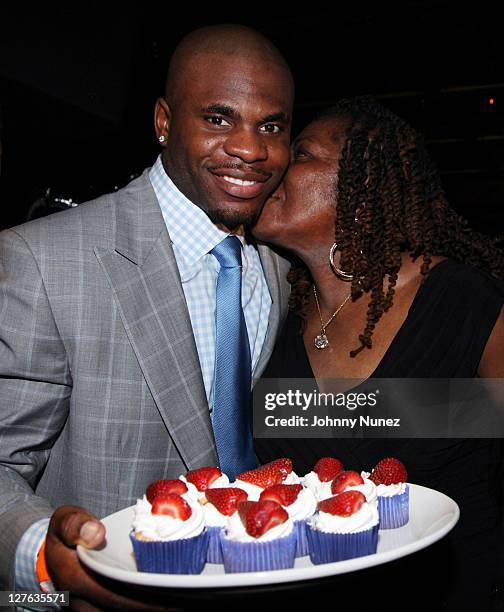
(191,231)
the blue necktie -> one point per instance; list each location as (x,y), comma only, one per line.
(231,400)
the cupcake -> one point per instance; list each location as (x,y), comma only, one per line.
(259,537)
(205,478)
(320,478)
(218,506)
(300,504)
(345,526)
(253,482)
(348,480)
(390,476)
(169,535)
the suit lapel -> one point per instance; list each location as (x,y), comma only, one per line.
(275,270)
(143,275)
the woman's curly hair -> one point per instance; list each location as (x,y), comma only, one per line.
(389,199)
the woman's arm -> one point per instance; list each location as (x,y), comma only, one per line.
(492,360)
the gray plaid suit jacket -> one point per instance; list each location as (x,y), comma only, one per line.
(100,385)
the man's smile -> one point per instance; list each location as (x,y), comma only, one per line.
(239,184)
(236,181)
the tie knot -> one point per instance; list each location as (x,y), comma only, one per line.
(228,252)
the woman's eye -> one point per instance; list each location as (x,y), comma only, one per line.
(215,120)
(271,128)
(299,153)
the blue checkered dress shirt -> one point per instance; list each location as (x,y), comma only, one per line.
(193,236)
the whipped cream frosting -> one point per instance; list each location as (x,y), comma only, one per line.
(252,490)
(236,531)
(321,490)
(292,478)
(365,518)
(386,490)
(214,518)
(165,528)
(304,506)
(221,483)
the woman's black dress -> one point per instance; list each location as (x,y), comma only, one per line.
(443,336)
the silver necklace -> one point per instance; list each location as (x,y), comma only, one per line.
(321,341)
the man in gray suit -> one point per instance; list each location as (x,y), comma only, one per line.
(106,313)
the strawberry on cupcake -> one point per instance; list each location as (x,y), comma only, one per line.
(349,480)
(160,489)
(285,466)
(166,485)
(390,476)
(205,478)
(319,480)
(276,472)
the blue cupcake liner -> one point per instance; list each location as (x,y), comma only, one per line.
(259,556)
(186,556)
(302,547)
(214,553)
(394,511)
(331,547)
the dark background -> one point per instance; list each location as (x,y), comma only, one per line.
(78,86)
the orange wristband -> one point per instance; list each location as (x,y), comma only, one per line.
(41,567)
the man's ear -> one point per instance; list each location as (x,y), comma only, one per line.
(162,117)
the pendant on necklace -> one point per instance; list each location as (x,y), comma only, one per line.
(321,342)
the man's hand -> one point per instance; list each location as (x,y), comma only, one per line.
(69,526)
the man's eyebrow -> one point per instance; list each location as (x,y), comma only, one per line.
(275,117)
(221,109)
